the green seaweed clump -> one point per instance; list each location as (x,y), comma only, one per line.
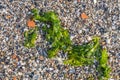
(58,38)
(103,68)
(84,54)
(30,38)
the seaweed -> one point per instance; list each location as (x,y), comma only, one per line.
(59,40)
(58,37)
(30,38)
(83,54)
(103,67)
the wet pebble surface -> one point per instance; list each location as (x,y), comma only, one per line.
(20,63)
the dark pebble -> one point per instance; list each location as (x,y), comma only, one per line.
(118,28)
(16,47)
(60,75)
(105,9)
(31,75)
(69,0)
(10,0)
(56,62)
(6,62)
(102,30)
(47,70)
(1,7)
(44,53)
(62,55)
(59,67)
(36,3)
(18,26)
(84,6)
(96,64)
(97,73)
(22,30)
(0,28)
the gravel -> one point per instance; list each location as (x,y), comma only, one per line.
(20,63)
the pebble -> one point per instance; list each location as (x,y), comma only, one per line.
(19,73)
(108,41)
(95,1)
(89,38)
(56,71)
(36,77)
(41,58)
(71,71)
(80,31)
(72,37)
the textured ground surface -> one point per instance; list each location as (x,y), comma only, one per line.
(19,63)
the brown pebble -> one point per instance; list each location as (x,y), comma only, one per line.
(78,0)
(41,58)
(8,17)
(60,0)
(14,56)
(84,16)
(103,43)
(2,63)
(14,78)
(15,64)
(2,53)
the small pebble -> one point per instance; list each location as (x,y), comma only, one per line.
(95,1)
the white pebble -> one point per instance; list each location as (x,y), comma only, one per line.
(56,71)
(16,37)
(89,38)
(51,69)
(72,36)
(95,1)
(75,2)
(35,65)
(25,29)
(59,60)
(108,41)
(19,73)
(4,11)
(6,38)
(80,31)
